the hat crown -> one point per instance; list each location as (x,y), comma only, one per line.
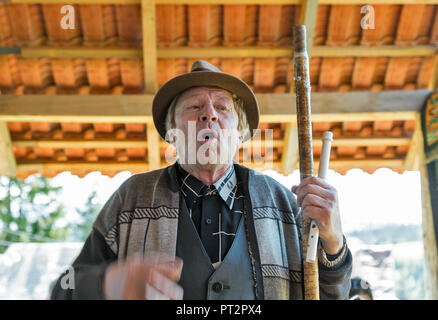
(201,65)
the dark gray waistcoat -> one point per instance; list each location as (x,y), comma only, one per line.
(233,279)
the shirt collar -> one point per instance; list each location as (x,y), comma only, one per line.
(226,186)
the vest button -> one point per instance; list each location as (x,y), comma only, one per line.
(208,221)
(218,287)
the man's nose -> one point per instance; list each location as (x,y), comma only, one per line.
(208,113)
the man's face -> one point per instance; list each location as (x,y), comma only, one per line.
(207,118)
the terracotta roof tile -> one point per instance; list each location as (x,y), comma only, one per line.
(171,25)
(396,73)
(360,153)
(375,150)
(98,23)
(6,39)
(204,24)
(239,25)
(383,125)
(103,127)
(352,126)
(320,32)
(56,34)
(434,31)
(330,74)
(363,74)
(346,151)
(27,24)
(412,22)
(269,25)
(128,18)
(35,73)
(97,74)
(68,73)
(425,73)
(72,127)
(344,25)
(385,22)
(264,74)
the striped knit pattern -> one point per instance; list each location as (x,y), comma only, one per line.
(273,213)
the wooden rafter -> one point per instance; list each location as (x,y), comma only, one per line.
(347,106)
(290,150)
(335,164)
(309,10)
(150,75)
(7,159)
(153,140)
(226,52)
(412,157)
(429,242)
(123,144)
(149,45)
(433,83)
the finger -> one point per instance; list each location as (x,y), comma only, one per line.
(315,180)
(316,213)
(314,200)
(316,190)
(168,265)
(135,281)
(294,189)
(153,294)
(171,269)
(164,285)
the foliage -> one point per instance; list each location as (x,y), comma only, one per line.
(88,214)
(30,211)
(409,283)
(389,234)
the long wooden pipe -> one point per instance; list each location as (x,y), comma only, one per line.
(304,124)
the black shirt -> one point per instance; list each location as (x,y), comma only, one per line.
(215,209)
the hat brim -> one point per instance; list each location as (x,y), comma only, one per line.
(177,85)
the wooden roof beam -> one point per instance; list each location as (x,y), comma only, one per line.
(219,52)
(336,106)
(8,165)
(149,45)
(140,144)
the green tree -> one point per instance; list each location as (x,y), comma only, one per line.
(30,211)
(409,279)
(88,214)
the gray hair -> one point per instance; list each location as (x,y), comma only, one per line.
(243,125)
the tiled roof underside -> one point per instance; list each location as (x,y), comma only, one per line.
(100,26)
(41,131)
(215,25)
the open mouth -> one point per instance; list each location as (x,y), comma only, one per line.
(208,137)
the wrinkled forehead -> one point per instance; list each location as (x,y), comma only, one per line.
(214,92)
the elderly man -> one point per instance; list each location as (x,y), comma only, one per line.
(207,227)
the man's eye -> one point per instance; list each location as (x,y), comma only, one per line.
(195,107)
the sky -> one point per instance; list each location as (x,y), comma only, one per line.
(365,200)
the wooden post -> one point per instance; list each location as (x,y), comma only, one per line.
(429,240)
(8,165)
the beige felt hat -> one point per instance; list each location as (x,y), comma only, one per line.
(204,74)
